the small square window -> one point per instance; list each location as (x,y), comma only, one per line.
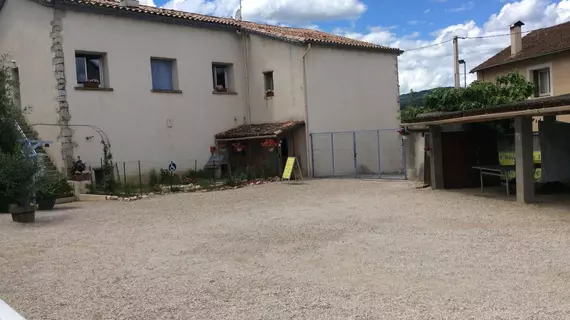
(222,77)
(541,79)
(269,86)
(163,74)
(89,69)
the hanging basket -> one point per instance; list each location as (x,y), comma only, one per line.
(271,149)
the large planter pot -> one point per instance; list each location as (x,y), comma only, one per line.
(46,204)
(23,214)
(85,176)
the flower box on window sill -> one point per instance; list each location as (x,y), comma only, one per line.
(91,84)
(269,93)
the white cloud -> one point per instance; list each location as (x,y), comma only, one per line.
(289,11)
(147,3)
(433,66)
(464,7)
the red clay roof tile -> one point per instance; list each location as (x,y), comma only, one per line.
(260,130)
(282,33)
(535,44)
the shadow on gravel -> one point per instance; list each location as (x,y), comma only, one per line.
(48,218)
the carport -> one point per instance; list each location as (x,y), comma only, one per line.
(555,159)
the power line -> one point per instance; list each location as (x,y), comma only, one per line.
(495,35)
(504,34)
(428,46)
(467,38)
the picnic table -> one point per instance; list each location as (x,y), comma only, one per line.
(500,171)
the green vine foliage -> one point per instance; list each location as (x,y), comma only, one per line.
(17,171)
(110,185)
(509,88)
(8,112)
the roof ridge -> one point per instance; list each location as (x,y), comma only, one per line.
(303,35)
(537,43)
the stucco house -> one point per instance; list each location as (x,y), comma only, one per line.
(542,56)
(165,85)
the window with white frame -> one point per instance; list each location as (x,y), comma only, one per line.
(222,77)
(541,80)
(163,74)
(89,69)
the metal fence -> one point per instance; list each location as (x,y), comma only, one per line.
(360,154)
(139,176)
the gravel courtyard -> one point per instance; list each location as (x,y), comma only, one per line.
(328,249)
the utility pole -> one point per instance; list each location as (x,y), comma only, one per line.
(456,76)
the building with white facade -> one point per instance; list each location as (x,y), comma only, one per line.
(162,85)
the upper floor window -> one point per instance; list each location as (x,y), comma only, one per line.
(89,69)
(541,80)
(222,77)
(163,74)
(269,86)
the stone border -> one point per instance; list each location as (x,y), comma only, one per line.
(65,200)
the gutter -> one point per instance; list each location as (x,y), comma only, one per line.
(245,37)
(308,144)
(493,116)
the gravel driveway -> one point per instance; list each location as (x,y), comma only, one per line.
(329,249)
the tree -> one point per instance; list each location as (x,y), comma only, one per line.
(8,113)
(17,171)
(506,89)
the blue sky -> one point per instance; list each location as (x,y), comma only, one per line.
(405,24)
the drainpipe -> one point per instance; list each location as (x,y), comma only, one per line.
(306,96)
(246,61)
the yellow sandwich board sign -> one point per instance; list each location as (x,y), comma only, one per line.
(292,164)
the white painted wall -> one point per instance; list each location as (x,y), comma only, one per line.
(348,89)
(25,38)
(284,59)
(351,90)
(136,118)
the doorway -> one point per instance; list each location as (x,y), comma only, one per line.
(284,152)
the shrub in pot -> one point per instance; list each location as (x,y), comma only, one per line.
(46,193)
(17,174)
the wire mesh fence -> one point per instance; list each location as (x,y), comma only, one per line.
(138,177)
(360,154)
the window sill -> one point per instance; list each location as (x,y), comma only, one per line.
(221,92)
(166,91)
(93,89)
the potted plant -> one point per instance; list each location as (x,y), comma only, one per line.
(220,88)
(404,132)
(17,173)
(270,144)
(47,191)
(91,83)
(238,147)
(78,169)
